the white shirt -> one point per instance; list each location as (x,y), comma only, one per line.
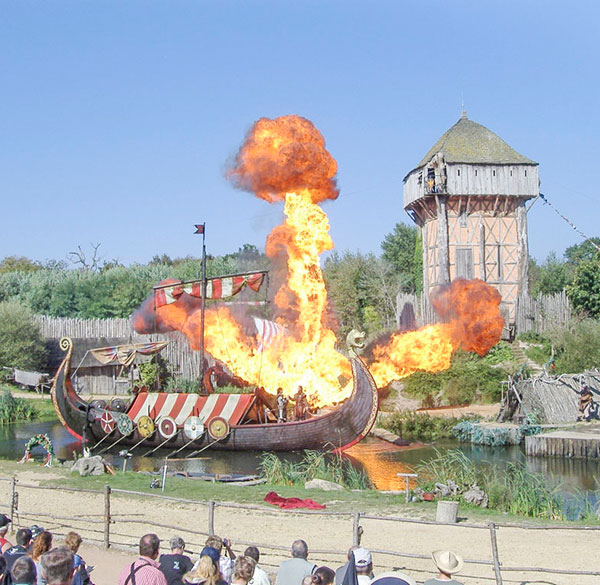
(260,577)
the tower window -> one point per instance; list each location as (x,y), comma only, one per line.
(511,173)
(475,172)
(494,173)
(458,172)
(525,173)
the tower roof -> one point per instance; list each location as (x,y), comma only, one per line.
(471,143)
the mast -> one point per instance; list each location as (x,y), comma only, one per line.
(200,229)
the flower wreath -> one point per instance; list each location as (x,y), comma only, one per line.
(43,440)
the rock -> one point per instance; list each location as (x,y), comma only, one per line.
(89,466)
(475,495)
(321,484)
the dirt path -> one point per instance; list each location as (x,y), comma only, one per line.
(137,515)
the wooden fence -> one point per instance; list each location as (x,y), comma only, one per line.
(532,314)
(184,362)
(109,521)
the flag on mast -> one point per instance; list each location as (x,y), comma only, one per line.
(199,228)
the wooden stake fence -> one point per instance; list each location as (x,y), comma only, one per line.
(108,519)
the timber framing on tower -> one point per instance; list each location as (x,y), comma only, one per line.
(468,195)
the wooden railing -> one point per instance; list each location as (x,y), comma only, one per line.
(111,529)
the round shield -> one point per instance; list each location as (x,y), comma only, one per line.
(145,426)
(118,405)
(124,424)
(98,404)
(107,422)
(218,428)
(193,428)
(167,427)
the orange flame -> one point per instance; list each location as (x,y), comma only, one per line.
(285,160)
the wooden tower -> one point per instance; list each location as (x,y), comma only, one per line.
(468,195)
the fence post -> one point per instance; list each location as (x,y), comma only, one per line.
(495,553)
(106,516)
(211,517)
(13,502)
(356,529)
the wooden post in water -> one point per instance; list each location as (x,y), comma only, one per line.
(495,553)
(13,502)
(211,517)
(106,516)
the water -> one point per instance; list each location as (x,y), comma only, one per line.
(382,461)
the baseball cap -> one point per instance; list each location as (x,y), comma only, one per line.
(362,557)
(213,553)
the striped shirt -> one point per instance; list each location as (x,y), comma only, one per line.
(148,573)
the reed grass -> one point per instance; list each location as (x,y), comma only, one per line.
(510,489)
(314,465)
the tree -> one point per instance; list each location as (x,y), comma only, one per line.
(21,343)
(582,252)
(584,291)
(19,264)
(79,257)
(551,277)
(399,250)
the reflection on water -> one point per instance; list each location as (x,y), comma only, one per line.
(382,461)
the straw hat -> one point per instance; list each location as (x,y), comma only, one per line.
(447,561)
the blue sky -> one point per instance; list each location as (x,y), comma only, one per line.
(117,118)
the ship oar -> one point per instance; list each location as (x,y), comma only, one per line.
(204,448)
(138,443)
(112,444)
(156,448)
(184,446)
(102,440)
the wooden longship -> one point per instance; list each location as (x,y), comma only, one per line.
(218,421)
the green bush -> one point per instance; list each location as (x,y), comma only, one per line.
(419,426)
(577,347)
(21,344)
(469,379)
(500,353)
(14,409)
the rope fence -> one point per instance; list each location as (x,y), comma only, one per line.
(110,528)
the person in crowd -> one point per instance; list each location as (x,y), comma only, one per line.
(323,576)
(292,571)
(24,572)
(58,567)
(144,571)
(4,574)
(341,571)
(447,563)
(243,570)
(176,565)
(41,545)
(23,538)
(4,524)
(364,565)
(260,576)
(73,542)
(205,572)
(225,563)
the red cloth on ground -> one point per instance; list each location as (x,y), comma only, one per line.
(288,503)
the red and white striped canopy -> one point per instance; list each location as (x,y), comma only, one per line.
(180,407)
(216,288)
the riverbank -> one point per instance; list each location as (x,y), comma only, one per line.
(135,515)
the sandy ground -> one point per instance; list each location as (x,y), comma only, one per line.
(137,515)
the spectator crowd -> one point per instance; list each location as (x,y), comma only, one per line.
(34,560)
